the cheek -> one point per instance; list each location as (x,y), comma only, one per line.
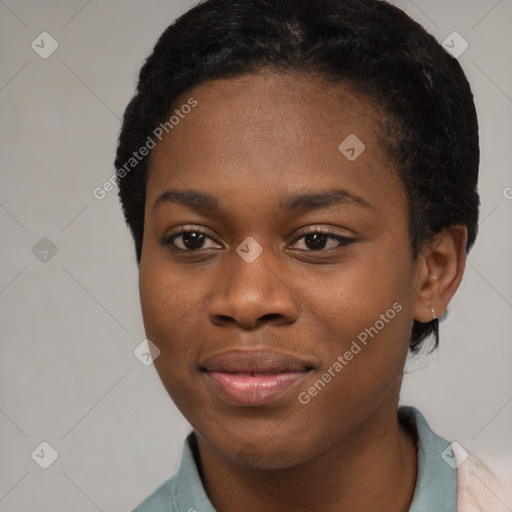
(170,307)
(354,297)
(168,302)
(363,313)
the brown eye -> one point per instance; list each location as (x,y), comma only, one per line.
(188,240)
(318,241)
(191,240)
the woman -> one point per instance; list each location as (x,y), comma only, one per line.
(300,179)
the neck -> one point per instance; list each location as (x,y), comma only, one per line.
(375,469)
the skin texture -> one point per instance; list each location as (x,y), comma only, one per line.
(249,142)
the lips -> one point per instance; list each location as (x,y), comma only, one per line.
(256,377)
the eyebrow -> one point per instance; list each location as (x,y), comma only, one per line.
(317,200)
(294,203)
(190,198)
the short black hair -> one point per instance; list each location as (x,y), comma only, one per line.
(431,129)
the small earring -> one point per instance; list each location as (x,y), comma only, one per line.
(435,327)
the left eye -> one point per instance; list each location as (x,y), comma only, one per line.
(317,241)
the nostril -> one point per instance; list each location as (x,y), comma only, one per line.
(270,316)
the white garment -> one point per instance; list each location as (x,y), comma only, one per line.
(478,488)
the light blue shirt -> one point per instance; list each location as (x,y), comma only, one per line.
(436,483)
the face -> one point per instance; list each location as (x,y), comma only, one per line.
(276,277)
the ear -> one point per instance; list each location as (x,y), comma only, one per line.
(439,272)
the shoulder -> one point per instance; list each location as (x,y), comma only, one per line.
(184,491)
(161,500)
(482,486)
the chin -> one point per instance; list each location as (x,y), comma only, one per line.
(264,451)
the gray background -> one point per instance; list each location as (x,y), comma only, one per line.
(70,323)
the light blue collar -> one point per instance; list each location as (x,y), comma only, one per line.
(436,483)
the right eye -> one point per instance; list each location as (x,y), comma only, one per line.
(188,240)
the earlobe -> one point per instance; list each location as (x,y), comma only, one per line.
(439,272)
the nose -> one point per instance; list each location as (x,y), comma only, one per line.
(252,294)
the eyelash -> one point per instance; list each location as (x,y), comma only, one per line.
(168,241)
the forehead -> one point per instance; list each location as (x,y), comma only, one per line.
(274,132)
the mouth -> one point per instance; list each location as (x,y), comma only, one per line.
(255,377)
